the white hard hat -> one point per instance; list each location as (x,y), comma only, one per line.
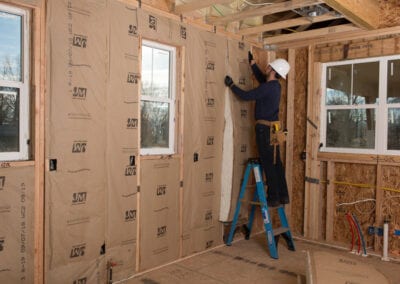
(281,66)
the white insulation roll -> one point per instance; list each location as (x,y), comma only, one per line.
(227,161)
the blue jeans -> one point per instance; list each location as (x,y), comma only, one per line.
(274,172)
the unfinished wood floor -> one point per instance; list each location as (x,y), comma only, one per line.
(249,262)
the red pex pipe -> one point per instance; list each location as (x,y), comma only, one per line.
(352,232)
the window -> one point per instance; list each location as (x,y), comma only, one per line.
(360,109)
(14,83)
(157,103)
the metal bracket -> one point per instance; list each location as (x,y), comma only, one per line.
(312,123)
(312,180)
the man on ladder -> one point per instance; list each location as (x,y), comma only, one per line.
(268,133)
(268,136)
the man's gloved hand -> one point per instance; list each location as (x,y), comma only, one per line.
(228,81)
(250,55)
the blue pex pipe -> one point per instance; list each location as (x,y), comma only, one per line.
(361,234)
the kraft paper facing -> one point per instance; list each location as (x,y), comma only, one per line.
(16,224)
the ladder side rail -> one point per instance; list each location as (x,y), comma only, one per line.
(237,211)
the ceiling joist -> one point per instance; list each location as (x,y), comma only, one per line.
(287,24)
(364,14)
(318,33)
(266,10)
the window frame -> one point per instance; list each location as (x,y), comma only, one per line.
(23,85)
(381,108)
(171,100)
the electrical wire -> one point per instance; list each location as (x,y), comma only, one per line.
(357,202)
(362,185)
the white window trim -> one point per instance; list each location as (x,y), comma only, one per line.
(23,86)
(381,108)
(171,101)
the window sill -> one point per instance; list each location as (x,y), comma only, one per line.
(159,157)
(16,164)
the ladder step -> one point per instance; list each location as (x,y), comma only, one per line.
(259,198)
(280,230)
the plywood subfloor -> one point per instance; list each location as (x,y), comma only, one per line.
(249,262)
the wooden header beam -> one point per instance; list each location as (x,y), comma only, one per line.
(267,10)
(364,14)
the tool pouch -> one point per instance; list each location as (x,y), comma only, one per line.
(277,136)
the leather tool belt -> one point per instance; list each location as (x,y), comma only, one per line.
(277,136)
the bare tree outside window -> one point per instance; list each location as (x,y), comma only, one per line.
(157,99)
(14,83)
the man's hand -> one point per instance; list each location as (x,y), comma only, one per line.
(250,56)
(228,81)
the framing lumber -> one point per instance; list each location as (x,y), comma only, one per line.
(364,14)
(379,197)
(287,24)
(195,5)
(345,36)
(267,10)
(39,53)
(138,170)
(290,125)
(181,109)
(360,158)
(317,35)
(313,196)
(330,199)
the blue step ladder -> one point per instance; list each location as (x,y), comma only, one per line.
(260,200)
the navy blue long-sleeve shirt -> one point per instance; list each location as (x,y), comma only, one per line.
(267,96)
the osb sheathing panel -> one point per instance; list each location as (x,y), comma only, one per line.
(390,206)
(389,13)
(299,138)
(352,199)
(283,101)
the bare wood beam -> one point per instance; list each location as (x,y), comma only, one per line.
(351,35)
(170,5)
(318,33)
(196,4)
(286,24)
(364,14)
(267,10)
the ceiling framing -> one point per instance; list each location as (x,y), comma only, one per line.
(271,22)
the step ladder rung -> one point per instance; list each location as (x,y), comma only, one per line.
(259,199)
(280,230)
(251,202)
